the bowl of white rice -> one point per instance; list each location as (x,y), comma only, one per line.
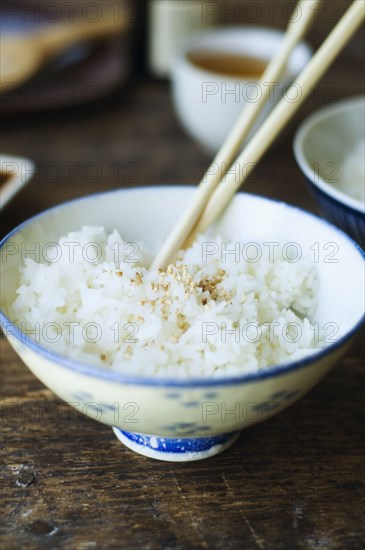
(178,361)
(330,150)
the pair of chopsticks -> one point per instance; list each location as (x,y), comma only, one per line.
(216,188)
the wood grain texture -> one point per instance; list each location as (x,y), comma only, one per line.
(293,482)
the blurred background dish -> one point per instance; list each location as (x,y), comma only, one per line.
(82,75)
(330,150)
(219,72)
(59,55)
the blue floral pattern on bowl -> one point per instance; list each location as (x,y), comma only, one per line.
(173,449)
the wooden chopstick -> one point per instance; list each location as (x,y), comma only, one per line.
(266,134)
(284,111)
(305,11)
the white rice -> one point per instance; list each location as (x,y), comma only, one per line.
(174,323)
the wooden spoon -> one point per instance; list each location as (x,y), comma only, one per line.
(22,56)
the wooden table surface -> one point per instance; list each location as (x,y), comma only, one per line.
(293,482)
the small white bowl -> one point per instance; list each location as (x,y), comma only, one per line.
(204,101)
(321,143)
(189,419)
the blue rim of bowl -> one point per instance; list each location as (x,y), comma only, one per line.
(107,374)
(351,211)
(328,190)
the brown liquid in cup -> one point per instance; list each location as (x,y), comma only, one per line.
(229,64)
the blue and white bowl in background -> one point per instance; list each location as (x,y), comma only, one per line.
(321,146)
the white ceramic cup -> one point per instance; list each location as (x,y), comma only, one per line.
(209,103)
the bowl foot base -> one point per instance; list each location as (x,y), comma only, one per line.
(176,449)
